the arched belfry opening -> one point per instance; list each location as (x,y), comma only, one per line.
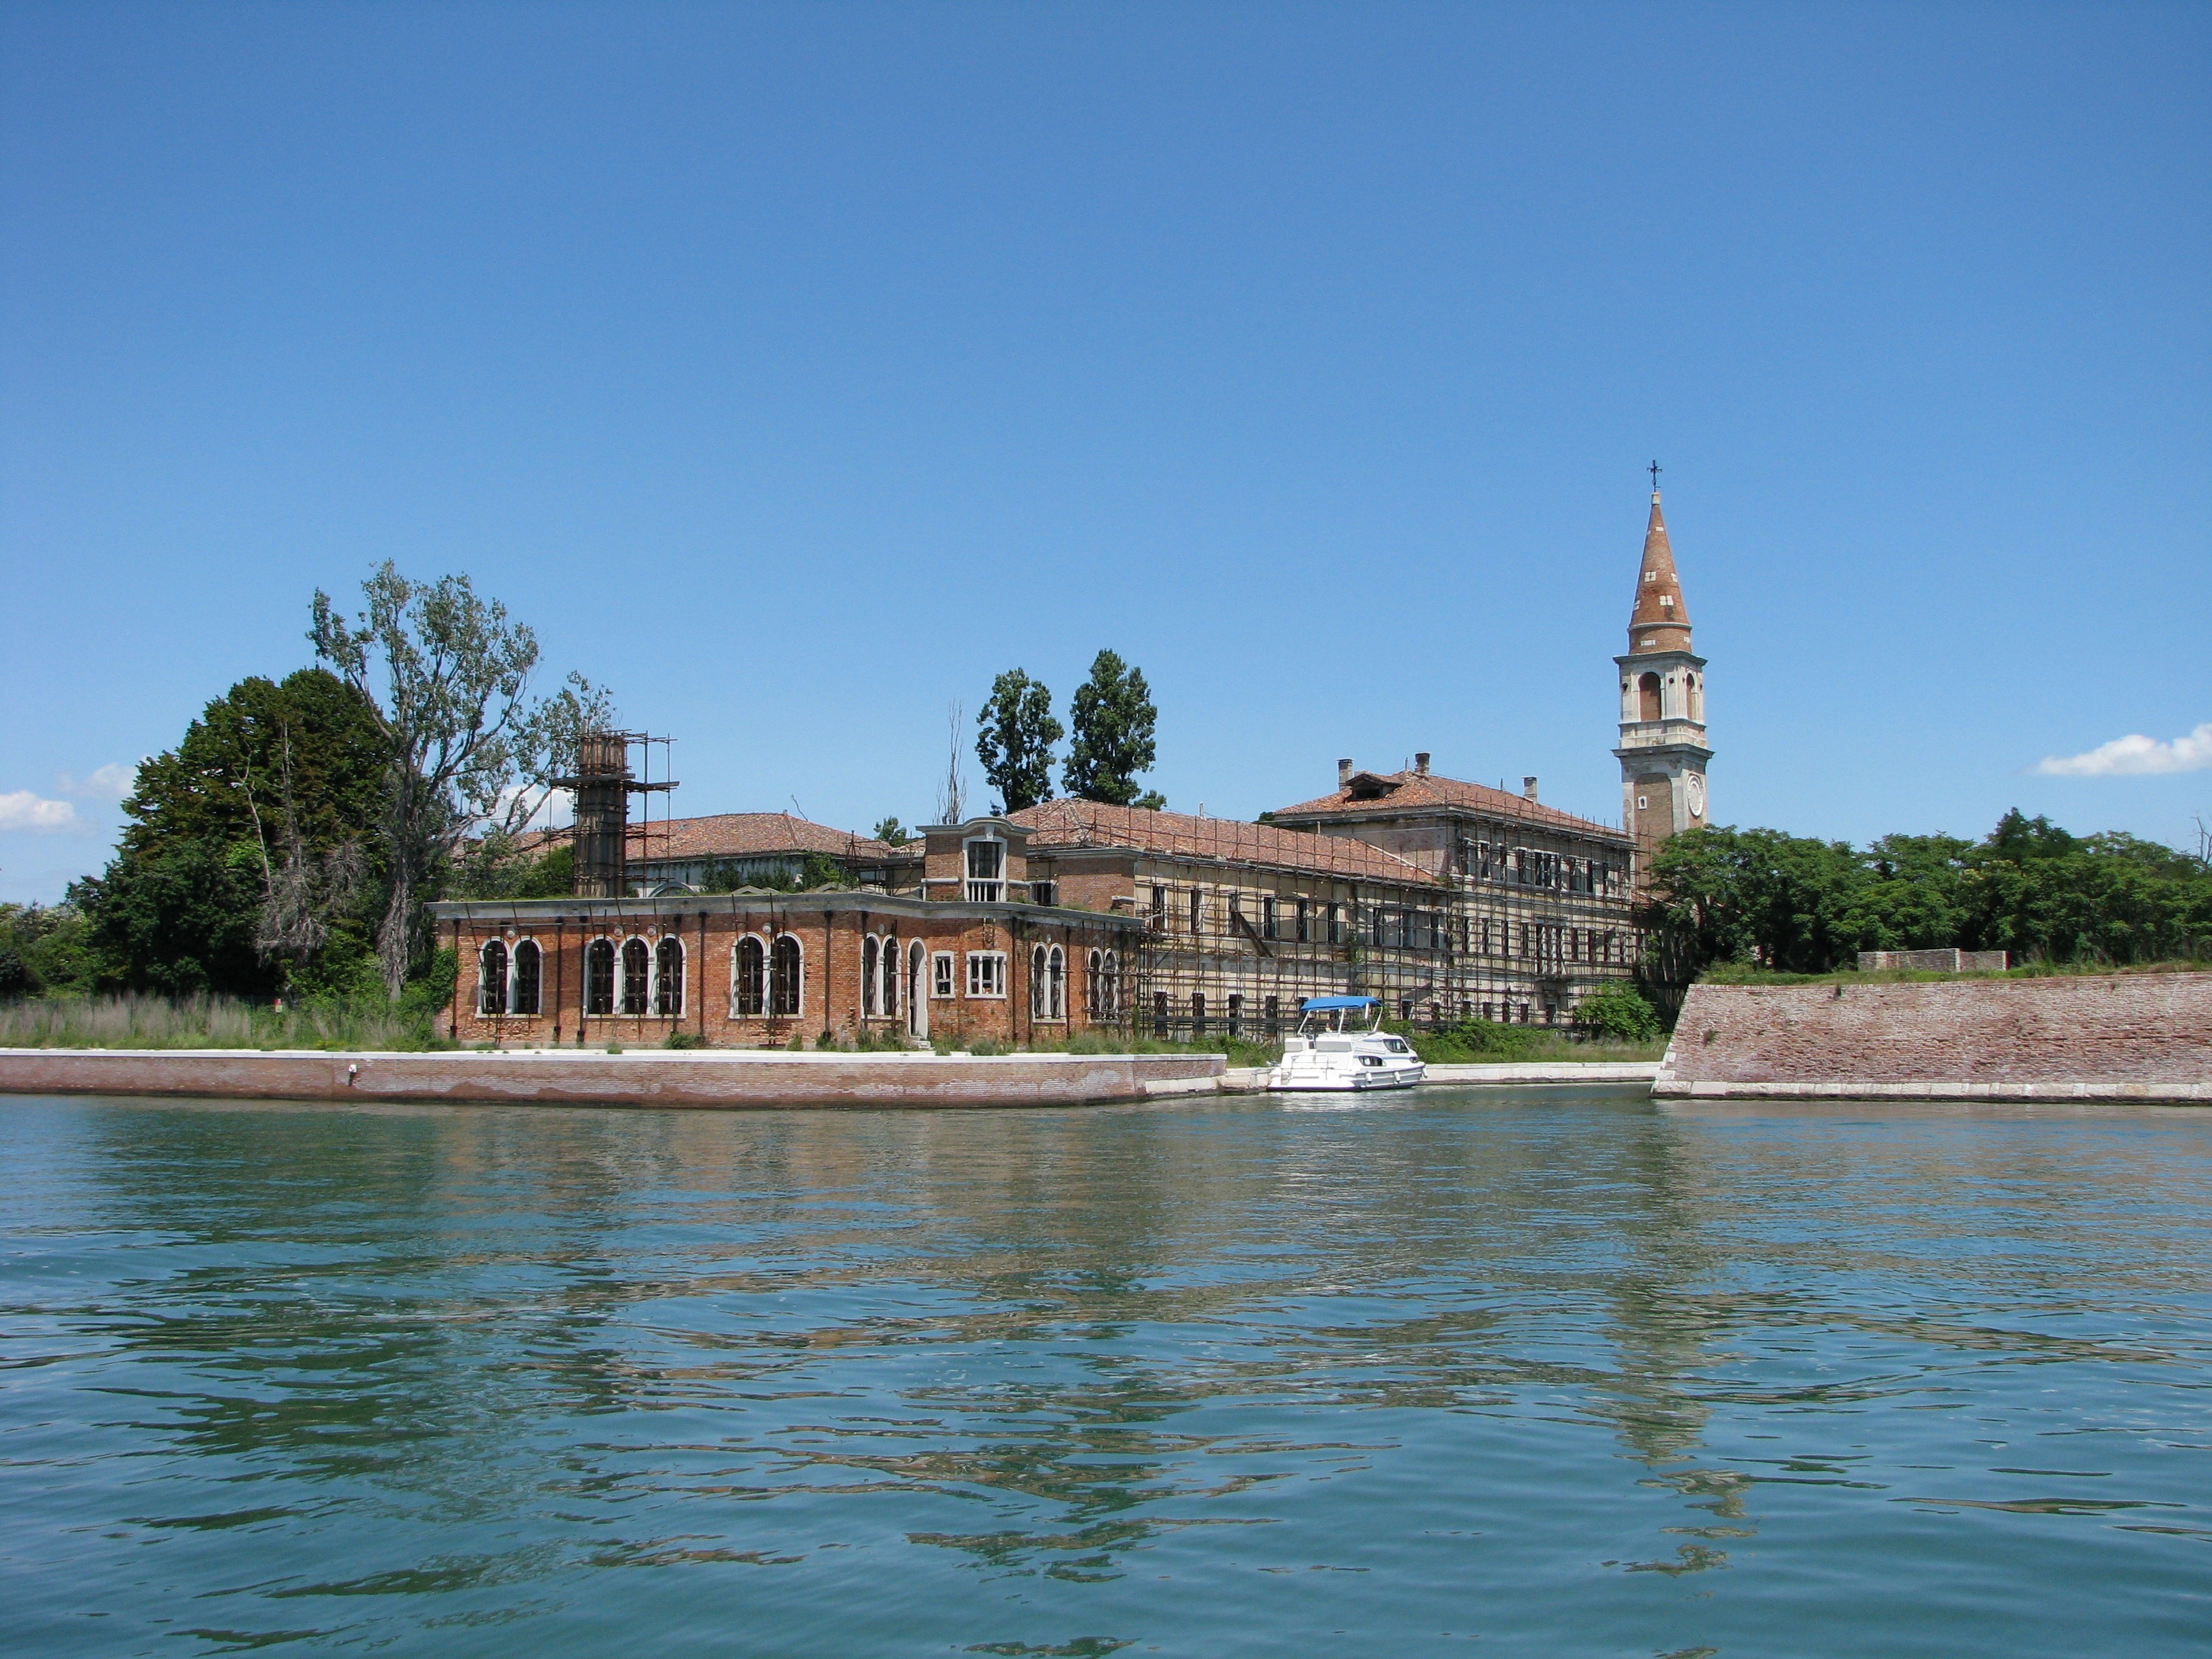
(1648,698)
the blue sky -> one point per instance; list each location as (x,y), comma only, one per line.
(792,370)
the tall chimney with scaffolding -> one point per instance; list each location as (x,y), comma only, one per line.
(606,842)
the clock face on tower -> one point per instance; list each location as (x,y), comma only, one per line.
(1697,783)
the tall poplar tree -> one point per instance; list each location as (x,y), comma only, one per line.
(1015,741)
(1113,716)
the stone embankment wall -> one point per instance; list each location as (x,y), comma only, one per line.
(570,1077)
(2122,1036)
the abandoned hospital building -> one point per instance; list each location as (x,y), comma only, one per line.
(1448,900)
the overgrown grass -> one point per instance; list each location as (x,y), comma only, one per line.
(1482,1043)
(130,1020)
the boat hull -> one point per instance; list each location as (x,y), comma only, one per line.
(1281,1081)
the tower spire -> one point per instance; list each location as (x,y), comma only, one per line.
(1659,620)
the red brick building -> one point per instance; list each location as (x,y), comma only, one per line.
(756,968)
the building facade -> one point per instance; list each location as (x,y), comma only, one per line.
(760,968)
(1448,900)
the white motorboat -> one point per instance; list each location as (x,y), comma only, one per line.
(1335,1051)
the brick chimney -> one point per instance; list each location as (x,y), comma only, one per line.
(1421,762)
(1529,790)
(1344,774)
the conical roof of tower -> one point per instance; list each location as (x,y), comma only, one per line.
(1658,593)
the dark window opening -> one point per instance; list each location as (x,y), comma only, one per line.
(599,977)
(529,975)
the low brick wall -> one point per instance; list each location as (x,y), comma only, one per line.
(2122,1036)
(570,1077)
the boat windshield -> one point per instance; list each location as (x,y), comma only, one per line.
(1322,1014)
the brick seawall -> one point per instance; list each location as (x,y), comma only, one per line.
(707,1080)
(2120,1037)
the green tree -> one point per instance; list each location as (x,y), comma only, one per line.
(1727,894)
(892,832)
(45,948)
(1014,741)
(445,676)
(183,921)
(278,779)
(1114,719)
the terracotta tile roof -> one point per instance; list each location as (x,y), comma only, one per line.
(1411,792)
(1066,824)
(759,835)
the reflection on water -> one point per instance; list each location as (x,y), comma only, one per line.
(1562,1371)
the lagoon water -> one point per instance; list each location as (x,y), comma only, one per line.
(1546,1372)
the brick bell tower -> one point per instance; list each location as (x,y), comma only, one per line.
(1663,751)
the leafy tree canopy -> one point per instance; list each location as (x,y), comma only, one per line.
(1014,741)
(890,832)
(245,852)
(310,739)
(1114,719)
(2029,888)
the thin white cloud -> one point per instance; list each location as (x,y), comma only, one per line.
(21,809)
(110,782)
(2134,754)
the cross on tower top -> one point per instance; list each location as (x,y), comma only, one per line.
(1655,477)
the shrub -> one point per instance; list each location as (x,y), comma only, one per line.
(1618,1012)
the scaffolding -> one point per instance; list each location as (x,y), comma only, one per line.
(1525,919)
(606,842)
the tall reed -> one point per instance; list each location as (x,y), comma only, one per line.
(132,1020)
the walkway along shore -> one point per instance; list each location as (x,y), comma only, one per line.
(707,1078)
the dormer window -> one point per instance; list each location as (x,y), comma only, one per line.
(987,872)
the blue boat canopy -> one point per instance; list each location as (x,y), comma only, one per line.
(1312,1003)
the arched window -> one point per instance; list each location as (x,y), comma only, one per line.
(599,977)
(1094,986)
(668,978)
(1109,995)
(1647,692)
(1039,1006)
(529,975)
(784,998)
(869,966)
(749,970)
(636,976)
(1055,969)
(917,989)
(1197,1015)
(891,968)
(491,978)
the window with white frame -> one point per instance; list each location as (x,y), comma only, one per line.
(636,986)
(987,974)
(668,977)
(987,872)
(749,979)
(940,976)
(869,968)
